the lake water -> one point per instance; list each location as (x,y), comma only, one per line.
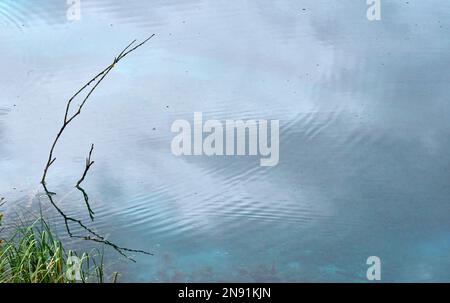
(364,114)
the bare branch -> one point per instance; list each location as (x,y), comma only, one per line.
(97,79)
(68,118)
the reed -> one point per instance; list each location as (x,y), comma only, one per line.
(33,254)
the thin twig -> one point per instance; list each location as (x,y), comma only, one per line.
(97,79)
(88,165)
(68,118)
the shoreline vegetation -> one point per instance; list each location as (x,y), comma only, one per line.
(33,254)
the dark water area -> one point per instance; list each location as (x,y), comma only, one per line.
(364,115)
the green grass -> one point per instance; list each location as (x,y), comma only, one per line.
(33,254)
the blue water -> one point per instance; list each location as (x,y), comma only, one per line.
(364,134)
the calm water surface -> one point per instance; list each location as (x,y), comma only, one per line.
(364,114)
